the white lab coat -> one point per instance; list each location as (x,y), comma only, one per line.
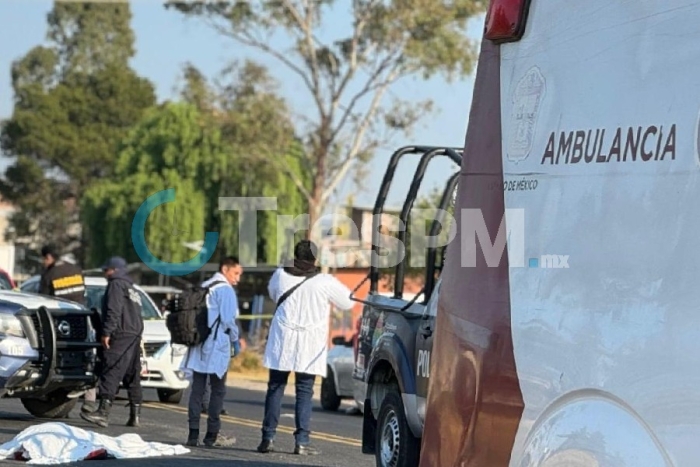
(299,330)
(214,355)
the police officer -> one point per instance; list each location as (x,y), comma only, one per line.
(121,341)
(61,278)
(65,280)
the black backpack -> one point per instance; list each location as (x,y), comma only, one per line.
(188,321)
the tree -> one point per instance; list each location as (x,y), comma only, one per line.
(74,100)
(347,77)
(256,126)
(174,146)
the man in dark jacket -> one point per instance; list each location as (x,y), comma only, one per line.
(121,340)
(60,278)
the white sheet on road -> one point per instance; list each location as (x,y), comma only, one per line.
(57,443)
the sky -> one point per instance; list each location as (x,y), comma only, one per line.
(165,40)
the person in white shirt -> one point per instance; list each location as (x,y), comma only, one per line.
(210,360)
(298,340)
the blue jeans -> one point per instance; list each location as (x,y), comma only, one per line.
(304,385)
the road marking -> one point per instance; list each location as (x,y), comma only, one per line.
(256,424)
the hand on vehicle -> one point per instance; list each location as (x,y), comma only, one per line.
(235,348)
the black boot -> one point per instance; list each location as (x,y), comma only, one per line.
(89,407)
(134,413)
(193,438)
(101,417)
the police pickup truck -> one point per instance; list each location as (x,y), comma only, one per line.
(47,352)
(396,333)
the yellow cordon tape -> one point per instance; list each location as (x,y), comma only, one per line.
(256,424)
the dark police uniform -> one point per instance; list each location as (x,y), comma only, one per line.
(123,324)
(63,280)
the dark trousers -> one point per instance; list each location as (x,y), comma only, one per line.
(216,401)
(304,386)
(121,364)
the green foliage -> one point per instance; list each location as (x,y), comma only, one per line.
(91,36)
(255,124)
(348,76)
(175,146)
(167,149)
(74,126)
(43,217)
(75,99)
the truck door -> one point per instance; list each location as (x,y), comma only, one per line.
(424,345)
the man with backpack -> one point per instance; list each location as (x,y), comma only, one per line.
(298,340)
(204,319)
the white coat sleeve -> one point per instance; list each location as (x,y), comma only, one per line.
(338,294)
(273,286)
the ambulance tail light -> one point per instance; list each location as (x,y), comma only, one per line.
(505,20)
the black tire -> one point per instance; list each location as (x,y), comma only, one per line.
(395,444)
(330,400)
(55,405)
(170,396)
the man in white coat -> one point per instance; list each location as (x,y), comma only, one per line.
(210,360)
(297,341)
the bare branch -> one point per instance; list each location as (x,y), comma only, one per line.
(359,134)
(360,22)
(247,39)
(370,86)
(305,24)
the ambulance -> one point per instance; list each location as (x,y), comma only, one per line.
(568,320)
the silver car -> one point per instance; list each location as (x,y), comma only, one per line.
(339,383)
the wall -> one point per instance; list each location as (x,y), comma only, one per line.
(351,278)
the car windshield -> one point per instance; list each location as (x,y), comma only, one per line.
(96,292)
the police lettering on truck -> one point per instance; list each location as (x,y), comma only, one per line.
(423,367)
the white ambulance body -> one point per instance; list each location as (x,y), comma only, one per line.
(580,346)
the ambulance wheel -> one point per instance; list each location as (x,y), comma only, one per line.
(395,444)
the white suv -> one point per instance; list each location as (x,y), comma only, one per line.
(162,358)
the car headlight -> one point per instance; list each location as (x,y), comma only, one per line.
(10,326)
(178,350)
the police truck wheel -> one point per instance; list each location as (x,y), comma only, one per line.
(170,396)
(395,444)
(55,405)
(330,400)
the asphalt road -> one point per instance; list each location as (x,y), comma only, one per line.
(336,434)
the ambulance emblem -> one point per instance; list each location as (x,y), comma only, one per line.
(527,99)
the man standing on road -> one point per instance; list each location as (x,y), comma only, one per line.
(65,280)
(298,340)
(209,361)
(60,278)
(121,341)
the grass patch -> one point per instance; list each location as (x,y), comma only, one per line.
(246,362)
